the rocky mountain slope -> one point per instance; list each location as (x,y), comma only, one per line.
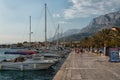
(101,22)
(97,24)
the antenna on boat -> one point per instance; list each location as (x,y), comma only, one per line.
(45,26)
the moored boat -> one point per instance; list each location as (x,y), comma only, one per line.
(52,56)
(26,65)
(26,62)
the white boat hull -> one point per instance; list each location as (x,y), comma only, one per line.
(25,65)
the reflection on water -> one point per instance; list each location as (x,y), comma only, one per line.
(26,75)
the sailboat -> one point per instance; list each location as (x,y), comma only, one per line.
(28,61)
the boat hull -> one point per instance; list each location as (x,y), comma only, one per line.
(25,66)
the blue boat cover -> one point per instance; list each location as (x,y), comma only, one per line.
(22,52)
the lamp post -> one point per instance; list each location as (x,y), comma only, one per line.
(105,49)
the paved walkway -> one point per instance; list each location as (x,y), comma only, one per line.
(88,66)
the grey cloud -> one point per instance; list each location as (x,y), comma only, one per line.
(86,8)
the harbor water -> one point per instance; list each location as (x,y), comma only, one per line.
(28,75)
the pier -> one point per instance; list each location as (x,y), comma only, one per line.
(88,66)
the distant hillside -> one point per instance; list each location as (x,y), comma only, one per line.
(97,24)
(71,32)
(65,34)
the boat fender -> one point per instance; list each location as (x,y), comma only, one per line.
(34,66)
(0,66)
(21,67)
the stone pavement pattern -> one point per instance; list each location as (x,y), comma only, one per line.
(88,66)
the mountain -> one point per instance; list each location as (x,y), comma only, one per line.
(97,24)
(65,34)
(70,32)
(102,22)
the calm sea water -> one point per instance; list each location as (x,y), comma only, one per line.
(27,75)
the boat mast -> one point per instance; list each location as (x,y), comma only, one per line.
(45,26)
(58,37)
(30,34)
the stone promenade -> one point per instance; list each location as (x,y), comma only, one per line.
(87,66)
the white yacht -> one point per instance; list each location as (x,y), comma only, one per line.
(30,62)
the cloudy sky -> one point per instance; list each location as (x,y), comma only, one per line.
(70,14)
